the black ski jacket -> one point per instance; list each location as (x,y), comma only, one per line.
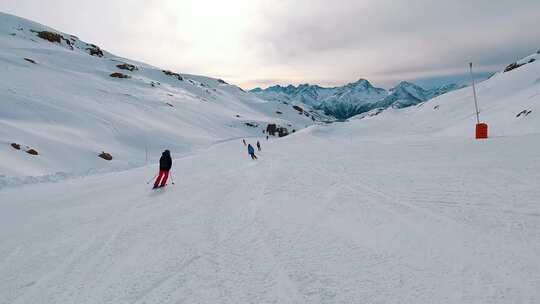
(165,162)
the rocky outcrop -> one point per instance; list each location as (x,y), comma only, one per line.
(127,66)
(119,75)
(30,60)
(94,50)
(513,66)
(176,75)
(50,36)
(299,109)
(32,151)
(105,156)
(16,146)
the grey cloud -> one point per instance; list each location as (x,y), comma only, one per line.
(389,37)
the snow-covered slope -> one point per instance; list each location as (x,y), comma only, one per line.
(402,207)
(353,98)
(60,100)
(508,103)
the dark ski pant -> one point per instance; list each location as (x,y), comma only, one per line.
(253,156)
(162,177)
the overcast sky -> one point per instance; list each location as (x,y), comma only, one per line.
(261,42)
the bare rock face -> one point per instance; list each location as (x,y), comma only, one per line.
(119,75)
(105,156)
(127,66)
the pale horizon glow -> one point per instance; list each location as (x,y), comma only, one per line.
(261,43)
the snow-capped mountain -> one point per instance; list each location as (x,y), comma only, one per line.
(70,100)
(353,98)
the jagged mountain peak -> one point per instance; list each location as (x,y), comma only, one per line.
(355,97)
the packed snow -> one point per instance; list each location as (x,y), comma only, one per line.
(392,206)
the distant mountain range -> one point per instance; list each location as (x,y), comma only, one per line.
(354,98)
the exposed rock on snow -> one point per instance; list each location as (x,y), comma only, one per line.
(32,151)
(127,66)
(50,36)
(105,156)
(16,146)
(94,50)
(176,75)
(119,75)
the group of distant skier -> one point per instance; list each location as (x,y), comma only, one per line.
(251,150)
(165,163)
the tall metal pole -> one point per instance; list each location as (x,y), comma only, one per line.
(474,93)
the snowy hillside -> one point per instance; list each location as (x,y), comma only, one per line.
(353,98)
(508,103)
(400,207)
(58,98)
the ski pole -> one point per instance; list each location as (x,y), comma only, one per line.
(172,179)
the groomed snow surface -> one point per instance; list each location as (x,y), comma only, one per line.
(318,219)
(401,206)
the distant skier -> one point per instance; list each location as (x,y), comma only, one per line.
(165,164)
(244,141)
(251,152)
(266,137)
(258,146)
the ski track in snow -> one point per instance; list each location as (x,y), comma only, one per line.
(279,230)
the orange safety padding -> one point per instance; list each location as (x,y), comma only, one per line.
(481,131)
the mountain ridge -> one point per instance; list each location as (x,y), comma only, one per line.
(353,98)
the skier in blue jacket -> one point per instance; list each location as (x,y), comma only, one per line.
(251,152)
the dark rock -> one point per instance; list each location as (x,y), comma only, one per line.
(50,36)
(279,112)
(105,156)
(94,50)
(513,66)
(119,75)
(252,125)
(32,151)
(532,60)
(169,73)
(30,60)
(127,66)
(299,109)
(271,129)
(16,146)
(282,131)
(222,81)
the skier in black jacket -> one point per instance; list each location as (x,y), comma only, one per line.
(165,164)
